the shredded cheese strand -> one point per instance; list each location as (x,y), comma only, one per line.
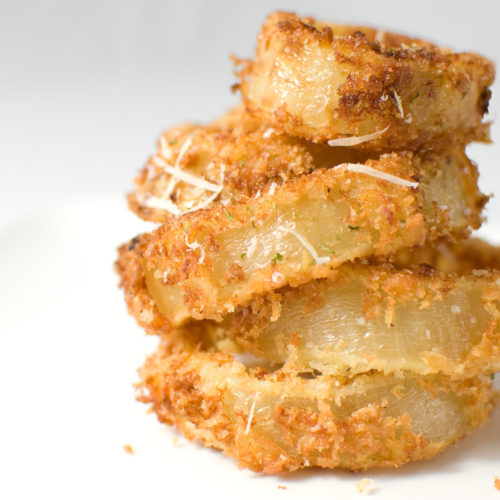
(204,204)
(173,180)
(177,174)
(250,415)
(398,102)
(365,169)
(353,141)
(193,246)
(162,204)
(319,260)
(165,150)
(186,177)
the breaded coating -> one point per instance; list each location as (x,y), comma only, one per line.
(281,421)
(324,82)
(462,257)
(206,263)
(375,317)
(229,160)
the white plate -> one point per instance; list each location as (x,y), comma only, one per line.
(68,355)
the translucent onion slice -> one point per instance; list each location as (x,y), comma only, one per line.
(369,317)
(234,158)
(205,264)
(358,86)
(281,422)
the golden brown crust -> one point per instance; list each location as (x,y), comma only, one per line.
(322,82)
(237,153)
(210,261)
(460,257)
(375,317)
(296,422)
(292,324)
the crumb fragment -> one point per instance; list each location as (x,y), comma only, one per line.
(364,487)
(177,442)
(496,482)
(128,449)
(281,487)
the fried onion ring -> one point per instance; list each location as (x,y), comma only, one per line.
(324,82)
(234,158)
(204,264)
(375,317)
(280,421)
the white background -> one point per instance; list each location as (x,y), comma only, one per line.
(85,89)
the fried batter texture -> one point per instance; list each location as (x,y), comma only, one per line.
(280,421)
(232,159)
(317,232)
(206,263)
(325,82)
(375,317)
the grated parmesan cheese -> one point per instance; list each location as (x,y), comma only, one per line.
(177,174)
(398,102)
(173,180)
(318,260)
(250,416)
(365,169)
(272,189)
(268,133)
(193,246)
(162,204)
(165,150)
(185,176)
(277,277)
(353,141)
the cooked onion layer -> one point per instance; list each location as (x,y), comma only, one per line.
(374,89)
(206,263)
(232,159)
(376,317)
(281,422)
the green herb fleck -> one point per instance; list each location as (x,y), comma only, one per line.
(464,94)
(338,238)
(354,228)
(253,224)
(186,227)
(247,208)
(325,248)
(277,258)
(414,97)
(403,221)
(230,216)
(171,143)
(243,255)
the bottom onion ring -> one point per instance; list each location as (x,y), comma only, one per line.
(281,421)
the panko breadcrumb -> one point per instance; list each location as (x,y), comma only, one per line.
(367,317)
(324,82)
(204,264)
(281,421)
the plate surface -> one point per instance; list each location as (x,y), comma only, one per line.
(68,359)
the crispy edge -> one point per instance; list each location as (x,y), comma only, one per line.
(244,160)
(394,67)
(181,396)
(384,288)
(166,249)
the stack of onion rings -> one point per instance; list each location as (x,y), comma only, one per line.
(311,281)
